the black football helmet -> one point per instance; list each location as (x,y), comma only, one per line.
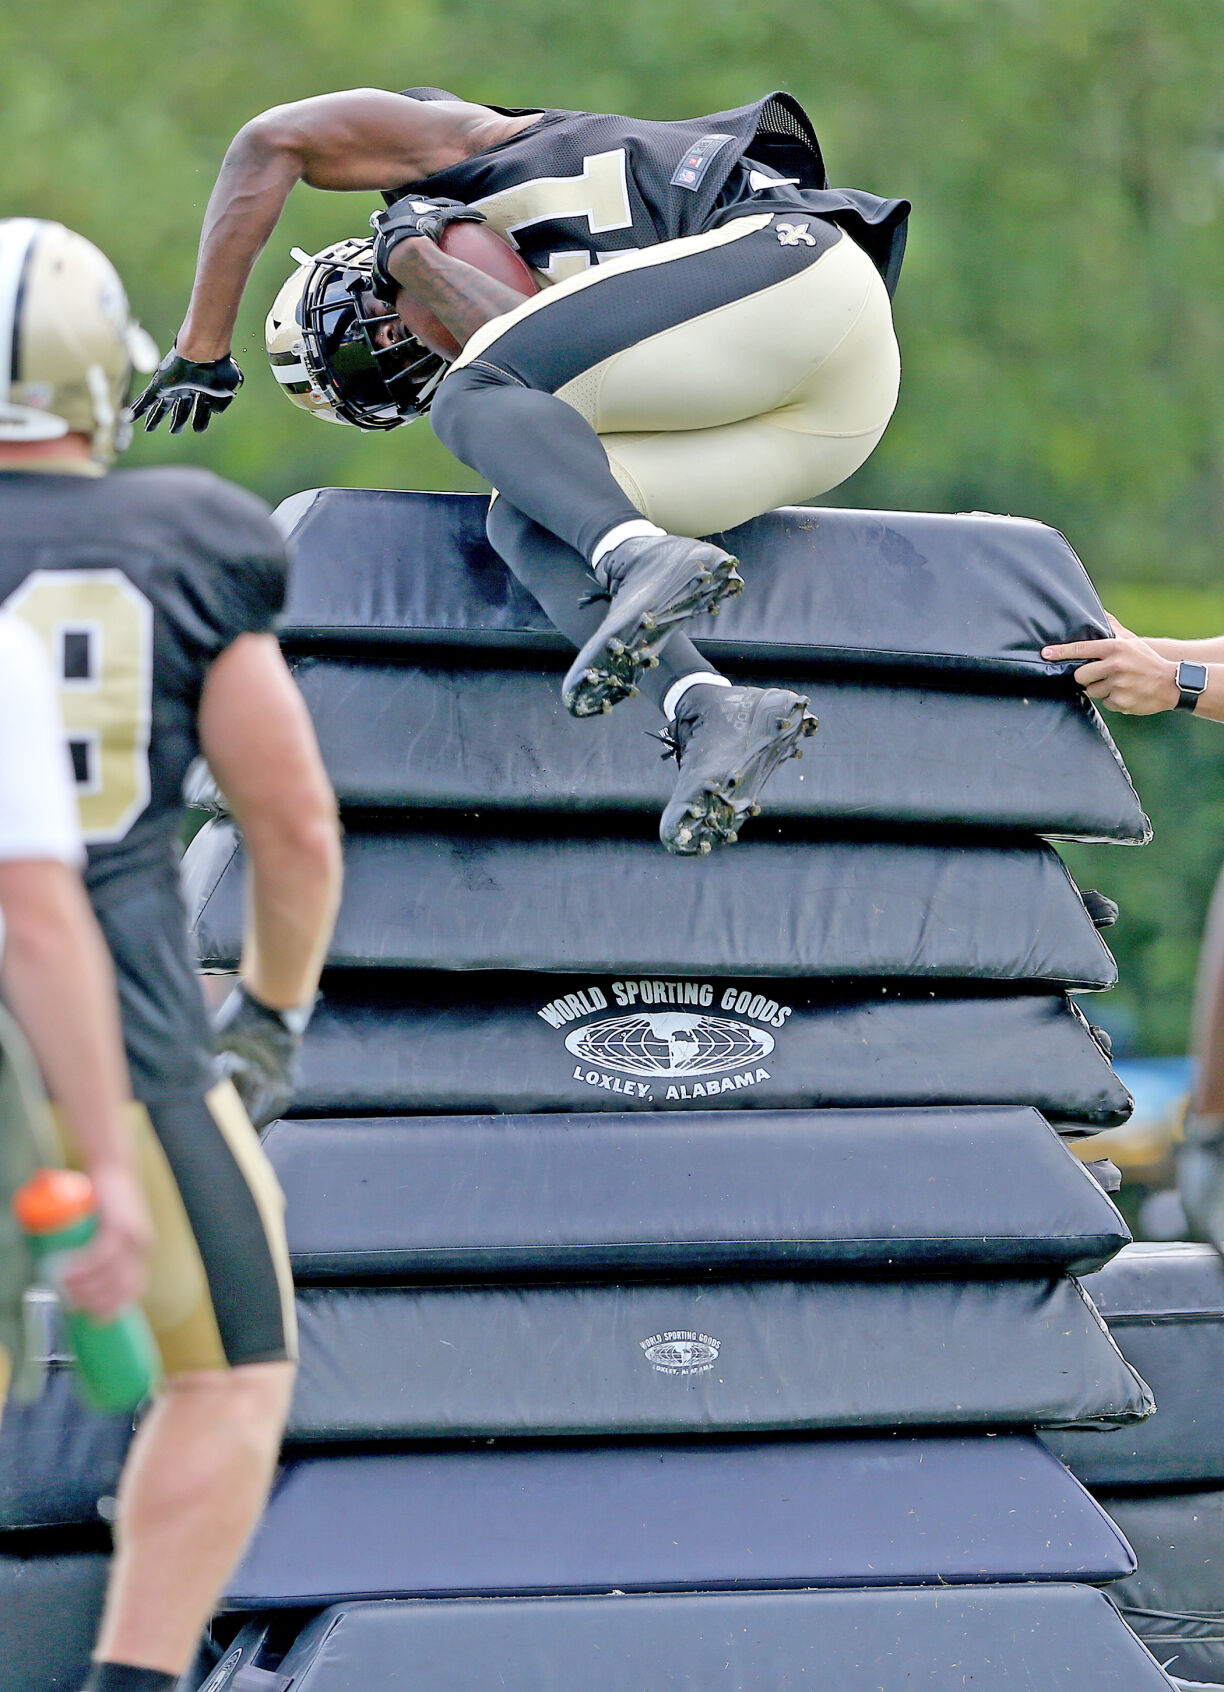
(319,336)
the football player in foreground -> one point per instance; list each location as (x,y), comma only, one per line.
(713,338)
(153,592)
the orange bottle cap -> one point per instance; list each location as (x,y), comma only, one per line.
(53,1198)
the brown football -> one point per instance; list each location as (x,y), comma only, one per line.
(481,247)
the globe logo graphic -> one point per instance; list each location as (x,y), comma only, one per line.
(664,1044)
(682,1354)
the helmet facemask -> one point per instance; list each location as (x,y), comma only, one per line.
(325,356)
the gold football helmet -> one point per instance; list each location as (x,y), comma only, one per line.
(68,343)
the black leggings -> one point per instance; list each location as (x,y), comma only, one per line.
(537,449)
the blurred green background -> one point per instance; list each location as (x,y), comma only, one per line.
(1060,312)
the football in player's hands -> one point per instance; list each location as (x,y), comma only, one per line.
(484,249)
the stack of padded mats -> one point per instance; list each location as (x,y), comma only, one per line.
(686,1260)
(894,931)
(1164,1482)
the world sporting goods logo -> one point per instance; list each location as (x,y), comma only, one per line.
(666,1044)
(677,1041)
(681,1351)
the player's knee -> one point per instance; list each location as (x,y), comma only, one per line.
(463,397)
(249,1401)
(505,526)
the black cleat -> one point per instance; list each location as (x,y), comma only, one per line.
(656,582)
(728,741)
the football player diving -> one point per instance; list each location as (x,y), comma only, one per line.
(713,338)
(153,593)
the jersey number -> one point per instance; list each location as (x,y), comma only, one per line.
(600,194)
(98,632)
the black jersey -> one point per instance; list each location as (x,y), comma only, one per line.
(136,581)
(576,187)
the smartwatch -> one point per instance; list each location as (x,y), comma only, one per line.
(1191,680)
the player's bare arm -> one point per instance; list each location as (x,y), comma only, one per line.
(358,139)
(258,738)
(1139,676)
(260,744)
(363,139)
(460,296)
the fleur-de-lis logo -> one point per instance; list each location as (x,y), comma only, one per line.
(794,234)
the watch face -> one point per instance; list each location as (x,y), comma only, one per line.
(1191,678)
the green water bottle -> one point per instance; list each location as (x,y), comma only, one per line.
(116,1361)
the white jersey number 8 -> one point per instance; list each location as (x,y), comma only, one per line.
(98,631)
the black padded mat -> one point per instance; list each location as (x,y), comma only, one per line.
(712,1357)
(1165,1307)
(470,900)
(1049,1639)
(50,1607)
(1175,1600)
(435,1197)
(970,592)
(798,1513)
(1003,1639)
(440,1044)
(404,736)
(58,1459)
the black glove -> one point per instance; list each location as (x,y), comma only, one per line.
(413,215)
(257,1049)
(181,389)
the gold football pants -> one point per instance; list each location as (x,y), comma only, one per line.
(725,373)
